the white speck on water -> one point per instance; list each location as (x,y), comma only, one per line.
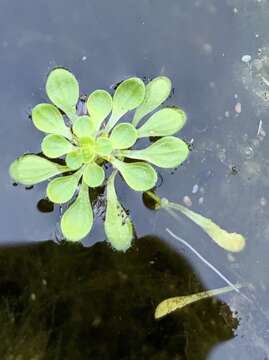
(235,10)
(187,201)
(236,96)
(33,297)
(227,114)
(212,85)
(246,59)
(230,257)
(238,108)
(200,200)
(84,58)
(195,188)
(263,201)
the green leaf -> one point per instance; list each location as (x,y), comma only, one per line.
(62,189)
(54,146)
(167,152)
(77,221)
(123,136)
(93,175)
(88,149)
(83,126)
(33,169)
(229,241)
(99,105)
(165,122)
(128,95)
(177,303)
(74,159)
(157,91)
(63,90)
(118,226)
(103,146)
(139,176)
(47,118)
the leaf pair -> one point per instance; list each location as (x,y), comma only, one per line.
(77,221)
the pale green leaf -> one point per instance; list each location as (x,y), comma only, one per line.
(93,175)
(103,146)
(88,149)
(139,176)
(165,122)
(118,226)
(99,105)
(63,90)
(167,152)
(54,146)
(157,91)
(47,118)
(233,242)
(123,136)
(33,169)
(128,95)
(177,303)
(77,220)
(83,126)
(62,189)
(74,159)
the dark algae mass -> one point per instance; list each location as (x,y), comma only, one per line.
(70,302)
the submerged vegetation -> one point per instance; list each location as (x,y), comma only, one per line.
(90,142)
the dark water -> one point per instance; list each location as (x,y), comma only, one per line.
(60,302)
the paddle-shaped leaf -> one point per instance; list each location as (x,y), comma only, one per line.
(54,146)
(47,118)
(176,303)
(167,152)
(123,136)
(63,90)
(128,95)
(99,105)
(157,91)
(62,189)
(93,175)
(229,241)
(103,146)
(139,176)
(33,169)
(83,126)
(118,226)
(165,122)
(74,159)
(77,220)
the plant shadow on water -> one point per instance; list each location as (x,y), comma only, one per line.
(72,302)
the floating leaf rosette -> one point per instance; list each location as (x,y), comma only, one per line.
(88,142)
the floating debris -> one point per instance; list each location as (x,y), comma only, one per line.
(238,108)
(246,59)
(187,201)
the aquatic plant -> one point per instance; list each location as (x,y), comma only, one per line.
(88,142)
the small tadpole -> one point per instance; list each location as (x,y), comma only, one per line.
(149,201)
(15,184)
(234,170)
(45,206)
(29,187)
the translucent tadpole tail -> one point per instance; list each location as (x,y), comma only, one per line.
(176,303)
(233,242)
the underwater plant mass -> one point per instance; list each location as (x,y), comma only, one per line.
(87,143)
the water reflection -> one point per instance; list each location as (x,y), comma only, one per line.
(72,302)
